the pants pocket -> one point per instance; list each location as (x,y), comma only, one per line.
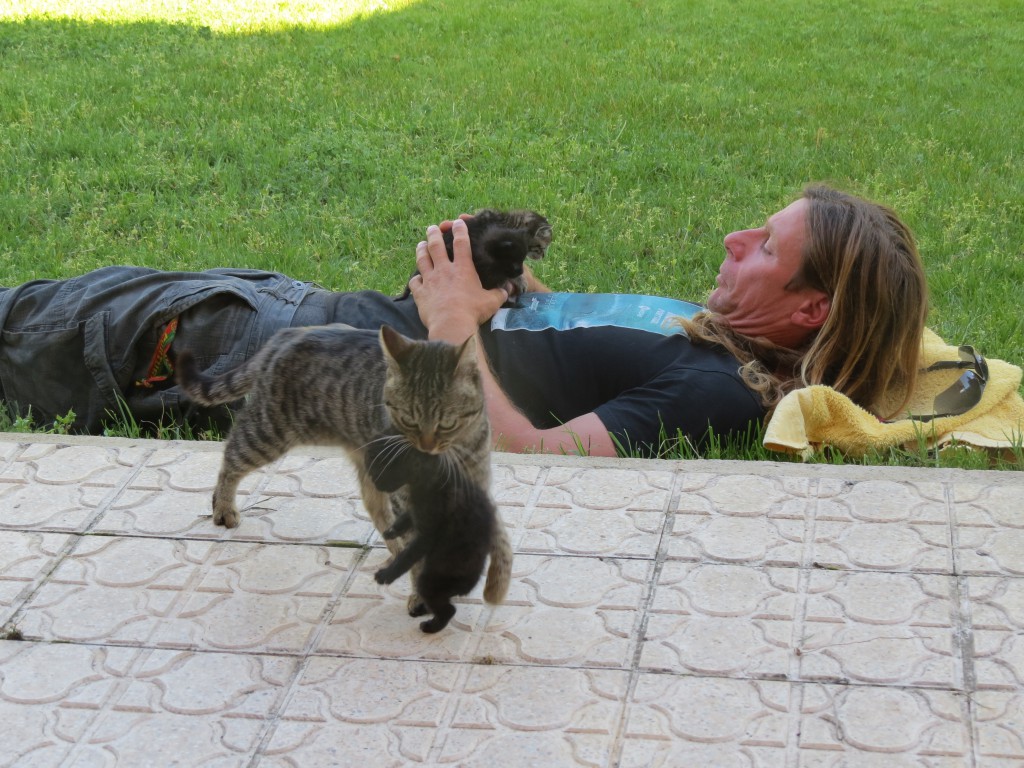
(51,371)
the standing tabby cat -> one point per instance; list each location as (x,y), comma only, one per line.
(452,520)
(501,241)
(335,385)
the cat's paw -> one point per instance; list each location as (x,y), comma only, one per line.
(384,576)
(416,607)
(439,621)
(225,514)
(391,533)
(430,626)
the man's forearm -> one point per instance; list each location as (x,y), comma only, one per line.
(512,431)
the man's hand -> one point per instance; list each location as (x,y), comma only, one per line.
(451,302)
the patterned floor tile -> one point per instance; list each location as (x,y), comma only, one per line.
(54,464)
(372,620)
(388,713)
(606,489)
(880,628)
(883,727)
(39,507)
(583,512)
(882,525)
(25,559)
(559,611)
(579,531)
(264,518)
(187,594)
(789,616)
(990,530)
(1000,727)
(515,484)
(51,695)
(740,519)
(757,540)
(997,608)
(180,469)
(568,611)
(308,476)
(704,721)
(8,451)
(90,705)
(725,722)
(723,620)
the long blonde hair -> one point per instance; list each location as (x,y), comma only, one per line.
(864,258)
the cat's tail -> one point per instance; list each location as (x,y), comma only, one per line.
(209,390)
(499,572)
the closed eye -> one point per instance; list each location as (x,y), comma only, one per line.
(405,422)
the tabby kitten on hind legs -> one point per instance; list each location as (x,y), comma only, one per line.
(335,385)
(452,520)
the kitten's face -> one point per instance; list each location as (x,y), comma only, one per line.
(499,257)
(501,242)
(432,392)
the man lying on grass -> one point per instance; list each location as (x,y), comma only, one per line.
(829,290)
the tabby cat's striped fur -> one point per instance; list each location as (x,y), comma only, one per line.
(336,385)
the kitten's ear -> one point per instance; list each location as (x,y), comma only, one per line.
(396,347)
(541,238)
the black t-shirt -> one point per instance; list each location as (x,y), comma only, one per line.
(559,356)
(644,385)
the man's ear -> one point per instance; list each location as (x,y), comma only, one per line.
(813,311)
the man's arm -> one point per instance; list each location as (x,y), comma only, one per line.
(533,285)
(452,304)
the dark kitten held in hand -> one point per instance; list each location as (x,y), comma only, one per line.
(501,242)
(452,520)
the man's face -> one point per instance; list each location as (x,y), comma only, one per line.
(759,263)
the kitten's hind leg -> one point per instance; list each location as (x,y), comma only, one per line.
(443,611)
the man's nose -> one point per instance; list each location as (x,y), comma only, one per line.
(738,243)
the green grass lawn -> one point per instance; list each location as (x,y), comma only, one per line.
(320,139)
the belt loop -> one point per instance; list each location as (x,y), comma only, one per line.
(276,308)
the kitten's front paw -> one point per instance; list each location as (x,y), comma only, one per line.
(515,287)
(384,576)
(391,533)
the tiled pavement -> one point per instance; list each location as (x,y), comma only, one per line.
(662,613)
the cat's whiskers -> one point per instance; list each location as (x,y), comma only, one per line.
(455,465)
(395,447)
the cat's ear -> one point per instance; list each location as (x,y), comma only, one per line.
(396,347)
(467,353)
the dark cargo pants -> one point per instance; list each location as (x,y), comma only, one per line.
(81,344)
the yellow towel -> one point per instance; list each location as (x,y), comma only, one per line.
(808,418)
